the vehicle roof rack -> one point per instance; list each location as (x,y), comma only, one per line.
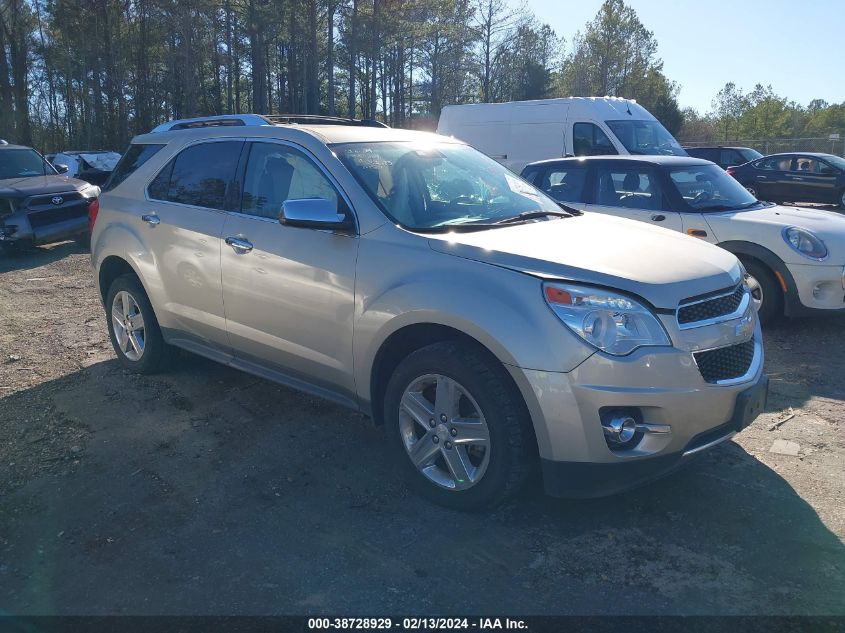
(225,120)
(319,119)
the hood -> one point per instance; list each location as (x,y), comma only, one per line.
(815,220)
(659,265)
(39,185)
(766,224)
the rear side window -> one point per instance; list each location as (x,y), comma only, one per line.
(775,163)
(564,184)
(134,157)
(628,188)
(199,176)
(588,139)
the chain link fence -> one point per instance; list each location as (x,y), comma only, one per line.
(825,145)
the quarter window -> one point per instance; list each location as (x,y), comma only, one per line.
(276,173)
(134,157)
(628,188)
(564,184)
(199,176)
(588,139)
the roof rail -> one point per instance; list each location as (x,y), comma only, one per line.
(319,119)
(225,120)
(212,121)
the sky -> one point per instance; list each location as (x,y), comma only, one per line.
(797,46)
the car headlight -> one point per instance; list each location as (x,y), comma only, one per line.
(612,322)
(805,242)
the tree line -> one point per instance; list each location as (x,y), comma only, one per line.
(88,74)
(761,114)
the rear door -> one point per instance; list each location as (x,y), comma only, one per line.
(182,222)
(770,177)
(633,192)
(565,182)
(288,291)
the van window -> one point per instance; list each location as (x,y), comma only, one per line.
(199,175)
(645,137)
(628,188)
(134,157)
(588,139)
(564,184)
(275,173)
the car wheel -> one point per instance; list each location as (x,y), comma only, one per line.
(461,432)
(752,189)
(842,200)
(133,328)
(765,291)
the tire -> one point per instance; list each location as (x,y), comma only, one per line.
(484,404)
(842,199)
(143,350)
(771,295)
(753,190)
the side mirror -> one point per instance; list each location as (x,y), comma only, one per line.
(316,213)
(61,168)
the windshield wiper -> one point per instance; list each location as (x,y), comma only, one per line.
(531,215)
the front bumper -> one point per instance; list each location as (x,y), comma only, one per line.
(818,288)
(667,389)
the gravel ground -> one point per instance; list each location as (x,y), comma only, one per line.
(208,491)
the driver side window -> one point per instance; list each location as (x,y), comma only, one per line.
(588,139)
(275,173)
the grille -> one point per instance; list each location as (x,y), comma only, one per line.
(711,308)
(59,214)
(726,362)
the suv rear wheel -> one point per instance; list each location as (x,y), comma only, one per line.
(133,328)
(460,429)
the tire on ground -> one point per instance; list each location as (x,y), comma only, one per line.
(512,445)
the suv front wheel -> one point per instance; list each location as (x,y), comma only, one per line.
(460,429)
(133,327)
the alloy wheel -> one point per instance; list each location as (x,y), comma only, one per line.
(444,432)
(128,325)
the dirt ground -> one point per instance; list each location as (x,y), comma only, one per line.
(208,491)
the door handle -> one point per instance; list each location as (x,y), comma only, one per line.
(658,218)
(239,244)
(151,218)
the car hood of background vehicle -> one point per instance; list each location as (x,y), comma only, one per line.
(35,185)
(827,225)
(659,265)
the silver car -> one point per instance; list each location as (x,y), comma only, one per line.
(408,276)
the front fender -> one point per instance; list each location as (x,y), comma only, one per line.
(502,309)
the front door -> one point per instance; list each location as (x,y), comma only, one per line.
(635,193)
(288,291)
(809,180)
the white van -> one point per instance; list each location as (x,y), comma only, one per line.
(521,132)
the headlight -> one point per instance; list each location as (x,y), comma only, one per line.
(805,242)
(612,322)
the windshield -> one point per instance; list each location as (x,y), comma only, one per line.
(431,185)
(645,137)
(710,188)
(20,163)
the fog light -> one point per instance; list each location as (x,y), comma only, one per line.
(817,291)
(619,429)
